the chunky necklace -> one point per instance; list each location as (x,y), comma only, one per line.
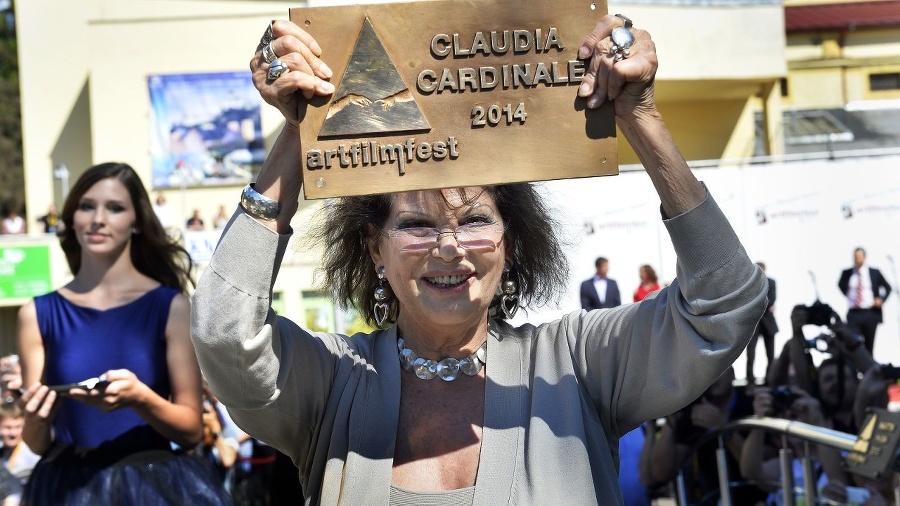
(448,369)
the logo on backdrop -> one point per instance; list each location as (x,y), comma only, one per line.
(793,208)
(609,222)
(881,203)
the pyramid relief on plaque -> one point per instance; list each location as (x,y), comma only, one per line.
(372,97)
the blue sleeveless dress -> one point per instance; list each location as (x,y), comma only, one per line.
(111,457)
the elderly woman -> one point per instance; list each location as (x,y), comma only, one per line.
(521,415)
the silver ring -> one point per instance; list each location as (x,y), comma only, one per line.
(277,69)
(622,39)
(268,53)
(626,19)
(268,35)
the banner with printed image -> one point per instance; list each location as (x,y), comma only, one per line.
(205,129)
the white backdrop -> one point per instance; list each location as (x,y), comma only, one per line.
(802,219)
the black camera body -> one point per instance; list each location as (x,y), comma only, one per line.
(782,398)
(820,313)
(890,372)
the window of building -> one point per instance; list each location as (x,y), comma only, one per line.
(784,86)
(881,82)
(278,302)
(318,310)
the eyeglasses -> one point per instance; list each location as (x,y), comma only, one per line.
(470,236)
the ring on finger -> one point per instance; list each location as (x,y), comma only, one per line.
(622,39)
(625,19)
(268,35)
(268,53)
(277,69)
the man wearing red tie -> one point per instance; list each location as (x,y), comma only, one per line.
(866,290)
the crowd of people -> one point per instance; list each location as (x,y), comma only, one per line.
(833,394)
(446,401)
(14,224)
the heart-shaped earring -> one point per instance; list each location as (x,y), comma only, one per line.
(381,309)
(509,301)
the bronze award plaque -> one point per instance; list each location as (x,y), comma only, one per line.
(441,94)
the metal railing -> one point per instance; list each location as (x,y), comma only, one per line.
(786,428)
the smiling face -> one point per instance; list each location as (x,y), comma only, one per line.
(104,219)
(447,284)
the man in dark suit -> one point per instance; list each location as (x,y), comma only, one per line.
(767,328)
(866,290)
(600,291)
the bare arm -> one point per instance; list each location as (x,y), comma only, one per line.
(797,352)
(778,372)
(629,83)
(753,463)
(667,455)
(38,401)
(850,344)
(179,418)
(279,178)
(227,452)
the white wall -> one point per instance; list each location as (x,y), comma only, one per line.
(806,234)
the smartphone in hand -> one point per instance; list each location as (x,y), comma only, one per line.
(88,384)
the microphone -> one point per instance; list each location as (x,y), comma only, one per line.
(815,286)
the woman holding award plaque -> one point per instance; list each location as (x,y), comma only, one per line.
(448,403)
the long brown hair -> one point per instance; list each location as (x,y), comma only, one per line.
(153,253)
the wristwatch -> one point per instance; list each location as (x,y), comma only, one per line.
(258,205)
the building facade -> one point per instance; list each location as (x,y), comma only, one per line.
(87,71)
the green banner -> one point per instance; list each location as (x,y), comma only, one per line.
(24,271)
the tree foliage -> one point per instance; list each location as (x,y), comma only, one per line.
(12,177)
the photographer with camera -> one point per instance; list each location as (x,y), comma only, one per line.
(720,404)
(836,399)
(759,463)
(836,377)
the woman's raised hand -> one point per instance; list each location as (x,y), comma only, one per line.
(293,47)
(625,76)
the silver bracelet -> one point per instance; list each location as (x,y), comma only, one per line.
(258,205)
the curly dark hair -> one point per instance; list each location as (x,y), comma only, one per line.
(153,253)
(539,265)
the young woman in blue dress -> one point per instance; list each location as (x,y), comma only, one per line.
(122,324)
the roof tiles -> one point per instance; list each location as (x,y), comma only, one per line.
(848,16)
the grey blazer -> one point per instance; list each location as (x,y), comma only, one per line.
(557,397)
